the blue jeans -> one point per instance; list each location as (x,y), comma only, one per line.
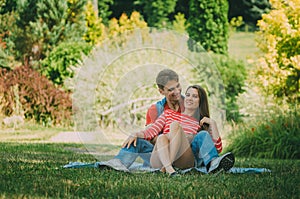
(202,146)
(143,149)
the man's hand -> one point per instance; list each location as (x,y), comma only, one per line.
(131,139)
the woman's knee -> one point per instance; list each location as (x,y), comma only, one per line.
(175,126)
(176,131)
(161,139)
(202,134)
(200,137)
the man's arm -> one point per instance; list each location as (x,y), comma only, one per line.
(151,115)
(149,133)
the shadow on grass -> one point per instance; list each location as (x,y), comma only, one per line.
(35,171)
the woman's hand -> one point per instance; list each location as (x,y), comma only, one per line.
(131,139)
(206,120)
(213,129)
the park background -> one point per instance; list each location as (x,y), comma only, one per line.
(254,44)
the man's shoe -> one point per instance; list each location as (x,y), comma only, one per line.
(115,164)
(222,163)
(174,174)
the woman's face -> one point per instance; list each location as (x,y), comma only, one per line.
(192,99)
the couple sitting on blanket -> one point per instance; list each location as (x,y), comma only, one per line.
(179,133)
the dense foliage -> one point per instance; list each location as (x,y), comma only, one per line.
(275,136)
(250,10)
(58,64)
(125,25)
(25,92)
(104,10)
(53,36)
(278,69)
(8,32)
(157,12)
(95,32)
(234,75)
(209,24)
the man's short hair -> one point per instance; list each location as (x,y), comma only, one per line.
(165,76)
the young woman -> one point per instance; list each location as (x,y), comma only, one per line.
(173,146)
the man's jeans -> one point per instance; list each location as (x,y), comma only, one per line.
(202,146)
(143,149)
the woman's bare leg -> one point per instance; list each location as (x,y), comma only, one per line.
(160,157)
(172,148)
(180,153)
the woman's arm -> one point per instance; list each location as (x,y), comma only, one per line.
(213,131)
(213,128)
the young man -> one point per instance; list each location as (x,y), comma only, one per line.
(202,145)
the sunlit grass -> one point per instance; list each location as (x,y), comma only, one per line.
(242,45)
(35,171)
(29,132)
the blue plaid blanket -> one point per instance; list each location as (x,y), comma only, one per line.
(138,167)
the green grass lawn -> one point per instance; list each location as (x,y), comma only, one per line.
(29,132)
(35,171)
(242,46)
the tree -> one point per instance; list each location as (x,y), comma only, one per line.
(125,24)
(46,24)
(278,70)
(209,24)
(156,12)
(8,31)
(180,24)
(250,10)
(104,11)
(95,32)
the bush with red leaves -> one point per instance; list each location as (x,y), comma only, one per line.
(40,99)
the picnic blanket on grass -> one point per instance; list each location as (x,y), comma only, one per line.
(138,167)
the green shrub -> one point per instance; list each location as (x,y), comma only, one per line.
(34,96)
(278,68)
(95,28)
(3,58)
(156,12)
(275,136)
(209,24)
(233,74)
(179,24)
(57,65)
(8,30)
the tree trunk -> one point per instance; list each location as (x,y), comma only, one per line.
(95,4)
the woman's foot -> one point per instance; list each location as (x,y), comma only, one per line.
(163,170)
(169,169)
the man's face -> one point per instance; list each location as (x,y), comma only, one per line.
(172,91)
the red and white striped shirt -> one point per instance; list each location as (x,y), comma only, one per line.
(162,124)
(218,144)
(189,124)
